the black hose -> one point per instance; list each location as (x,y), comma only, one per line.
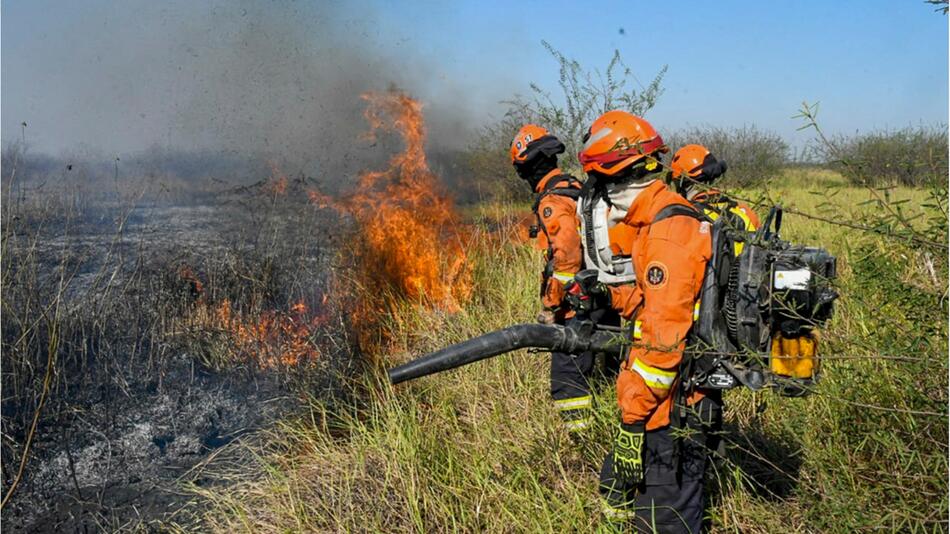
(552,337)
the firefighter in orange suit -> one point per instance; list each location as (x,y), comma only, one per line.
(653,479)
(693,170)
(534,155)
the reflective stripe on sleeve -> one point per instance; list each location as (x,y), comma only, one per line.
(696,311)
(563,277)
(573,403)
(654,377)
(637,329)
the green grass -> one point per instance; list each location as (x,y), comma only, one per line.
(481,449)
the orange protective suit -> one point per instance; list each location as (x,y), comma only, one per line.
(557,219)
(669,258)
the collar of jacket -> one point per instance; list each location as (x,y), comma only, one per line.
(649,202)
(544,180)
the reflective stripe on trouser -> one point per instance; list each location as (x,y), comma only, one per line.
(654,377)
(570,387)
(617,515)
(571,375)
(575,411)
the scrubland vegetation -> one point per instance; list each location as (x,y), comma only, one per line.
(480,448)
(273,295)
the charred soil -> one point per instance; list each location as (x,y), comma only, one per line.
(168,333)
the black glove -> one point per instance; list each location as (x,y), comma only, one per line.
(628,454)
(585,293)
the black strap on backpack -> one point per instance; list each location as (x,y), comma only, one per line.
(572,191)
(676,210)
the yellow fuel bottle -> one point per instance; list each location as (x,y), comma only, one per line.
(795,357)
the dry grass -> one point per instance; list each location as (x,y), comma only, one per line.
(480,449)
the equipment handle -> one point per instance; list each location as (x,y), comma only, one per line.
(774,216)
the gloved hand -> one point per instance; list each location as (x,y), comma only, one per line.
(546,316)
(585,293)
(628,454)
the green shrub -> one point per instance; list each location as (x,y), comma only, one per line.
(585,95)
(914,156)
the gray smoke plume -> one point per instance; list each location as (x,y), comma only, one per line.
(278,80)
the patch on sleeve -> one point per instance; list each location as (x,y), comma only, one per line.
(547,212)
(656,275)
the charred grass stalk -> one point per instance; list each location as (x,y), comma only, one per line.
(97,316)
(480,448)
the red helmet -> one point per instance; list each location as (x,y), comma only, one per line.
(695,161)
(525,136)
(617,140)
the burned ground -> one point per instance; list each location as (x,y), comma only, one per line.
(156,317)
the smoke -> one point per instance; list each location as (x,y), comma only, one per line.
(278,80)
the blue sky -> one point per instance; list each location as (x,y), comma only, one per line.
(68,66)
(872,64)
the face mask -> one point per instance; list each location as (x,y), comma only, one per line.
(533,170)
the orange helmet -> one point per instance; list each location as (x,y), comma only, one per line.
(695,161)
(689,161)
(617,140)
(525,136)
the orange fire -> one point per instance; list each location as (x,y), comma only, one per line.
(277,184)
(407,227)
(407,243)
(195,287)
(274,338)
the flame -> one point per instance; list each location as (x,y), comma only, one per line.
(408,231)
(407,244)
(322,201)
(277,184)
(270,338)
(274,338)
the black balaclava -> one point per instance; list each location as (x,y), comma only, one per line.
(712,169)
(540,159)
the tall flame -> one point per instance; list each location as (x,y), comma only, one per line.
(406,243)
(408,232)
